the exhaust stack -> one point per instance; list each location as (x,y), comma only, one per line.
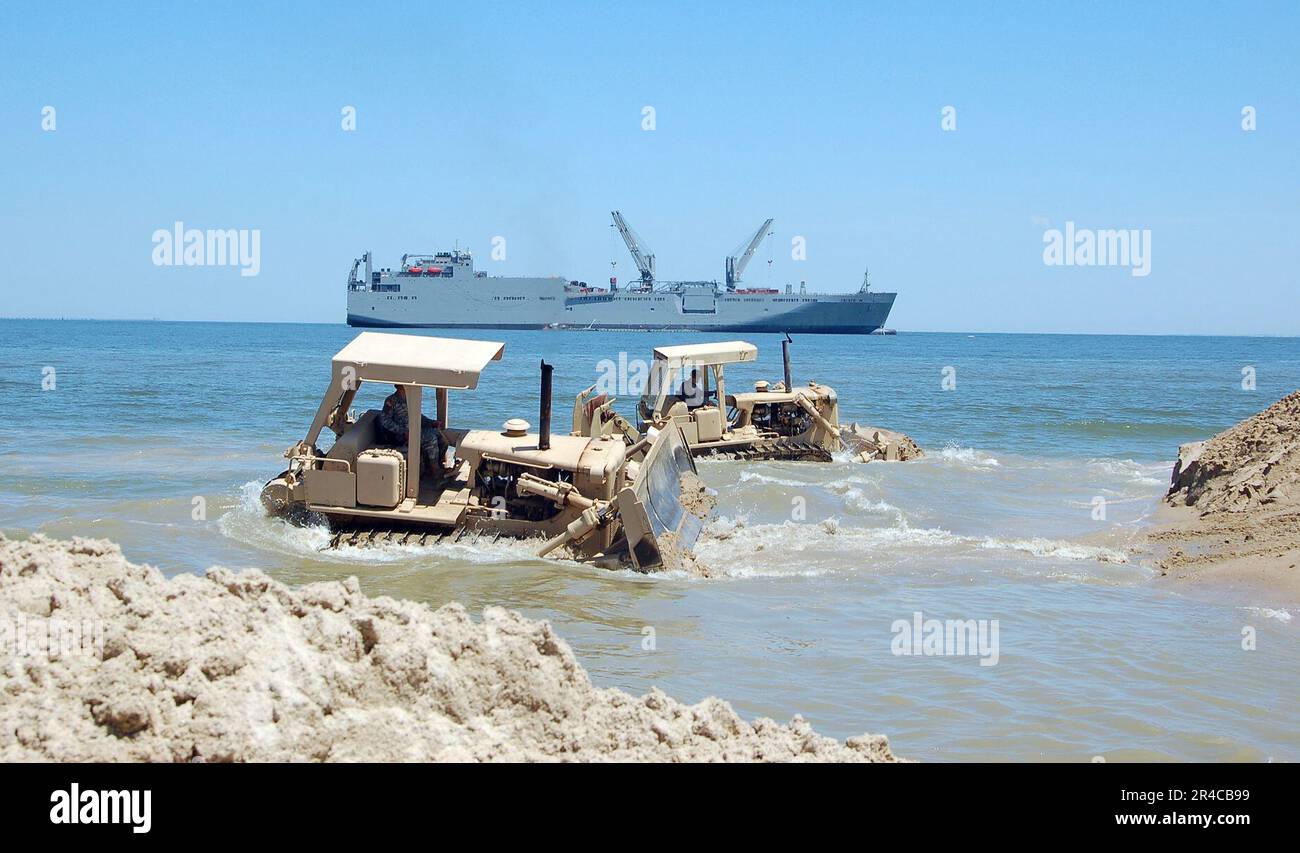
(785,361)
(544,418)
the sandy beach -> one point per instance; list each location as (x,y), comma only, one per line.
(1232,513)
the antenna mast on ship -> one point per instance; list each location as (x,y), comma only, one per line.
(866,282)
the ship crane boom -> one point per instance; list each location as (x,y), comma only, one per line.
(736,263)
(641,254)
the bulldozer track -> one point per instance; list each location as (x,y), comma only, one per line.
(361,537)
(358,536)
(777,449)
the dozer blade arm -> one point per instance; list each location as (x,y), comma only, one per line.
(661,512)
(581,417)
(594,416)
(832,431)
(579,529)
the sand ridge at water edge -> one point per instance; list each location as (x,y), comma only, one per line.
(1232,512)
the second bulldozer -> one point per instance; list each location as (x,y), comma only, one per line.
(687,389)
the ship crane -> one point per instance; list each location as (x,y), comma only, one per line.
(641,254)
(353,282)
(736,264)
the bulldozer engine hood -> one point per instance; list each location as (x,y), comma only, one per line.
(600,458)
(756,397)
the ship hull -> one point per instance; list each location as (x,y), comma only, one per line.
(536,303)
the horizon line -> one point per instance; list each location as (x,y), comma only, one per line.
(665,331)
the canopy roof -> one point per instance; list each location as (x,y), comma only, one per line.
(722,352)
(417,360)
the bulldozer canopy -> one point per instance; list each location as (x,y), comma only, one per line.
(417,360)
(722,352)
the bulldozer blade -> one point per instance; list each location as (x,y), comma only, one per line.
(659,529)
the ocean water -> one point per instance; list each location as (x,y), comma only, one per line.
(1096,655)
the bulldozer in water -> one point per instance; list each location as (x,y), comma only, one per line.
(686,390)
(585,493)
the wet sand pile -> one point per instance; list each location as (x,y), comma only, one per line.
(699,500)
(870,444)
(696,497)
(109,661)
(1233,505)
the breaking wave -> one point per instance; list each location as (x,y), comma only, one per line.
(968,456)
(1040,547)
(1271,613)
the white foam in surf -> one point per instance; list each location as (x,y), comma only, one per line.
(1271,613)
(736,548)
(768,479)
(1135,473)
(968,457)
(1040,547)
(248,522)
(848,488)
(855,498)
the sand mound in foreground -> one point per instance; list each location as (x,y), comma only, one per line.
(238,667)
(1234,504)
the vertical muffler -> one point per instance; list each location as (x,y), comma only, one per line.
(785,361)
(544,416)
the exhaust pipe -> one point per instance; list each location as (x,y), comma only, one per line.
(544,417)
(785,361)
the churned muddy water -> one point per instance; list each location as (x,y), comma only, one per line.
(159,435)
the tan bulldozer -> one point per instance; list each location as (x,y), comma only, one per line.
(686,389)
(583,493)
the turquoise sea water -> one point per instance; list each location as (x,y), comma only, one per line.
(1097,655)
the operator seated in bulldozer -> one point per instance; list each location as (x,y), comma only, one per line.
(393,423)
(694,393)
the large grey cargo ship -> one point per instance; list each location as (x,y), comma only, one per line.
(443,290)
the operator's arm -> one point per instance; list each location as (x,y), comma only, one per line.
(392,419)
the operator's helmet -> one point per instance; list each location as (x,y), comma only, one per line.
(760,386)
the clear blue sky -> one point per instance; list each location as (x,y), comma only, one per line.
(525,121)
